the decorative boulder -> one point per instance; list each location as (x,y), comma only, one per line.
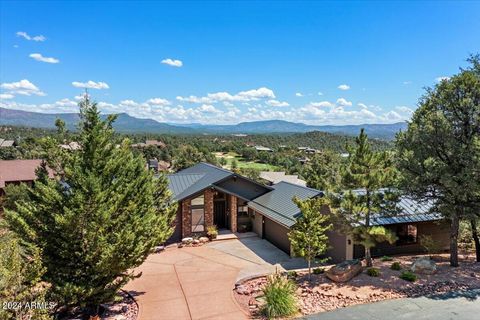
(196,241)
(424,265)
(344,271)
(158,249)
(204,239)
(187,240)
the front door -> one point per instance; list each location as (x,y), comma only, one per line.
(220,214)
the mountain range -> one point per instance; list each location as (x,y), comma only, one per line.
(129,124)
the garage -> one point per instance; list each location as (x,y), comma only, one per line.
(276,234)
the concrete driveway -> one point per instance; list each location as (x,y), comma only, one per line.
(197,283)
(449,306)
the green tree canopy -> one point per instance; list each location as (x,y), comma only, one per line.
(439,153)
(308,236)
(98,219)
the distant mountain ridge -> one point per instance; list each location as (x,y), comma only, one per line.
(127,123)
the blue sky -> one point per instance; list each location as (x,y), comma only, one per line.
(312,62)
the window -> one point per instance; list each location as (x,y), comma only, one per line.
(197,211)
(407,234)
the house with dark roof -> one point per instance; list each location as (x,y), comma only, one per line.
(209,195)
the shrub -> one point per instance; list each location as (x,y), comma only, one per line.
(386,258)
(292,274)
(373,272)
(408,276)
(430,245)
(396,266)
(279,295)
(212,232)
(318,271)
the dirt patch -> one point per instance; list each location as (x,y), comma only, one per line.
(321,294)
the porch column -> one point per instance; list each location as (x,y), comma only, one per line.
(186,219)
(233,213)
(208,208)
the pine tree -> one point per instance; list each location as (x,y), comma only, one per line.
(98,219)
(308,236)
(439,153)
(368,177)
(323,171)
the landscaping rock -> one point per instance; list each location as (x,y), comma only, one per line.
(203,239)
(158,249)
(344,271)
(424,265)
(196,241)
(187,240)
(241,289)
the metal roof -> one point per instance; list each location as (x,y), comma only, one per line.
(410,211)
(278,204)
(192,180)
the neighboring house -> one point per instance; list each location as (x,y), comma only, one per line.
(17,171)
(209,195)
(275,177)
(148,143)
(158,165)
(262,148)
(71,146)
(7,143)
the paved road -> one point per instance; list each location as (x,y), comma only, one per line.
(451,306)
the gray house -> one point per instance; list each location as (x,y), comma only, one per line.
(209,195)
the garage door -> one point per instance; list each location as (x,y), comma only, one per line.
(276,234)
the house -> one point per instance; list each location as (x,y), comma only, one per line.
(208,195)
(262,148)
(17,171)
(7,143)
(148,143)
(71,146)
(158,165)
(275,177)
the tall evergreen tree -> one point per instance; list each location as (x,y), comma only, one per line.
(98,219)
(439,154)
(368,178)
(308,236)
(323,171)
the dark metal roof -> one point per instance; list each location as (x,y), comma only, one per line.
(278,204)
(410,211)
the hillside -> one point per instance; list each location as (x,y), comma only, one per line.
(127,123)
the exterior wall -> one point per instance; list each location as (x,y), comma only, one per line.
(232,203)
(208,194)
(439,231)
(257,223)
(277,235)
(186,219)
(177,225)
(337,243)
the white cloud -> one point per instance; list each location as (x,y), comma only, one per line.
(320,93)
(404,109)
(30,38)
(39,57)
(173,62)
(322,104)
(406,83)
(242,96)
(22,87)
(276,103)
(343,102)
(299,94)
(128,103)
(440,79)
(15,46)
(159,102)
(208,108)
(90,85)
(6,96)
(344,87)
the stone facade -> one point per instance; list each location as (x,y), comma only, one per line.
(233,212)
(208,208)
(186,219)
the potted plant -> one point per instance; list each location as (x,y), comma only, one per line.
(212,232)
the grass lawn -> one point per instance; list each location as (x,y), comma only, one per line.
(244,164)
